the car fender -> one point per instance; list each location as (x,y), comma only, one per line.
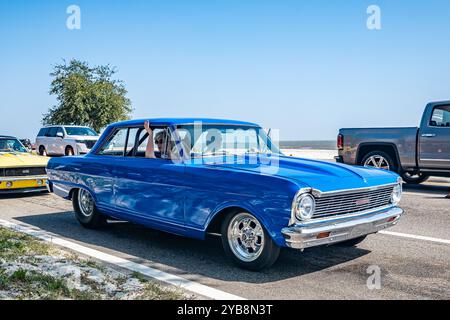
(265,221)
(65,189)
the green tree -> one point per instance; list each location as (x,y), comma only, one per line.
(88,96)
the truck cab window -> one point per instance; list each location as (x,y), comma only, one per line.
(440,117)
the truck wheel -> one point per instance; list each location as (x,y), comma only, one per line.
(411,178)
(247,243)
(380,160)
(351,242)
(85,210)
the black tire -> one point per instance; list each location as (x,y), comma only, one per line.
(42,151)
(389,160)
(93,220)
(69,151)
(416,179)
(269,251)
(351,242)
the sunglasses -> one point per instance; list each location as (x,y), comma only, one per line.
(158,141)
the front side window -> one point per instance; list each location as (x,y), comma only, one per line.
(440,117)
(11,145)
(132,142)
(51,132)
(60,132)
(161,142)
(80,131)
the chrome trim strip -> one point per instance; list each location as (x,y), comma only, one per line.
(23,190)
(345,216)
(5,179)
(439,160)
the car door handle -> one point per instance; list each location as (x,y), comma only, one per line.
(429,135)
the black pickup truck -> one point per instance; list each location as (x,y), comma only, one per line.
(415,153)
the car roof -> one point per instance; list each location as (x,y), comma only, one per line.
(64,125)
(184,121)
(7,137)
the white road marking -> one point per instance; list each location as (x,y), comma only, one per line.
(412,236)
(145,270)
(442,195)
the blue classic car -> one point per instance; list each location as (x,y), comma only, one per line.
(227,178)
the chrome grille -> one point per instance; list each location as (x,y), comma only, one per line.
(89,143)
(335,204)
(22,172)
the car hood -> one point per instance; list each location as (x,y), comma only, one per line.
(20,159)
(321,175)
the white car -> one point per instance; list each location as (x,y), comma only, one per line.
(65,140)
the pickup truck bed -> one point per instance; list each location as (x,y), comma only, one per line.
(413,152)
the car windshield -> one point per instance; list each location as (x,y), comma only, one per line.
(211,140)
(11,145)
(80,131)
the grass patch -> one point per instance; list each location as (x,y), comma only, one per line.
(36,285)
(14,244)
(153,291)
(4,279)
(25,276)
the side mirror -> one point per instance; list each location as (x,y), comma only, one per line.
(60,135)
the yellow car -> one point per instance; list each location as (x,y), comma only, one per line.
(20,171)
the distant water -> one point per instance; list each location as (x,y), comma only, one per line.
(320,145)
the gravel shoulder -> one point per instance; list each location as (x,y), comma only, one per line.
(31,269)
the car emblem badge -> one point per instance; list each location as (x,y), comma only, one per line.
(361,202)
(25,171)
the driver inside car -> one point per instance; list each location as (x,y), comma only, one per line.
(166,145)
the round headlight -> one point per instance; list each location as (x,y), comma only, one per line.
(396,194)
(305,206)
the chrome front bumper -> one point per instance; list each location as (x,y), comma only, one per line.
(5,179)
(340,228)
(23,184)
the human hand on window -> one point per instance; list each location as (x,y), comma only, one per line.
(147,127)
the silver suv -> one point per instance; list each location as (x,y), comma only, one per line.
(65,140)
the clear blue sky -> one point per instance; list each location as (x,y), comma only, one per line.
(305,67)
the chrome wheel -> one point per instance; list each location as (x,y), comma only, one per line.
(377,161)
(86,203)
(245,237)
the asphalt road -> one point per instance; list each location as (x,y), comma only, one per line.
(410,268)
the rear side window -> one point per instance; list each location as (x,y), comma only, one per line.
(115,146)
(131,140)
(441,117)
(42,132)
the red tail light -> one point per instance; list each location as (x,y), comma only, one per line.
(340,142)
